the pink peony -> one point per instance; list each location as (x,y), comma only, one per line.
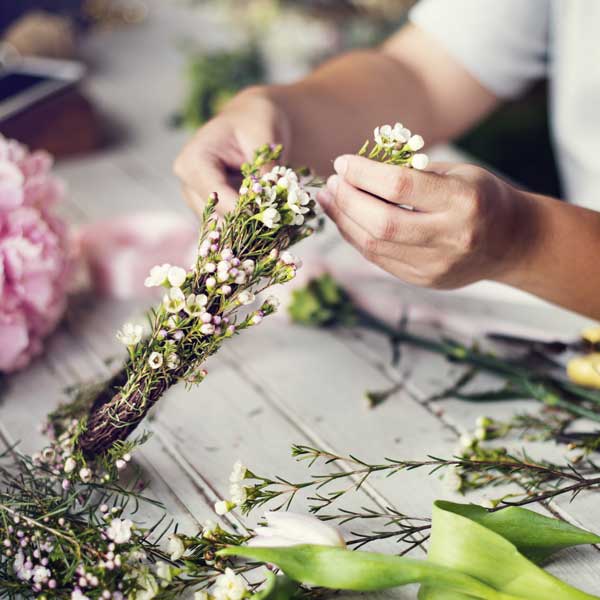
(34,247)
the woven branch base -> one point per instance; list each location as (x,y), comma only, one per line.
(112,420)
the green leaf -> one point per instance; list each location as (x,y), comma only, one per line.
(473,554)
(534,535)
(341,569)
(277,588)
(489,548)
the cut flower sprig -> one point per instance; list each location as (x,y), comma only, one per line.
(238,257)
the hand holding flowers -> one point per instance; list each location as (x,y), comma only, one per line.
(443,228)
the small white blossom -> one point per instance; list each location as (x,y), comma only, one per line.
(176,276)
(209,528)
(246,297)
(415,143)
(248,266)
(207,329)
(70,465)
(229,586)
(85,475)
(466,441)
(149,587)
(270,217)
(238,493)
(77,594)
(176,547)
(452,479)
(21,567)
(222,507)
(119,530)
(163,571)
(41,574)
(195,303)
(419,161)
(291,529)
(173,361)
(174,301)
(155,360)
(131,334)
(273,301)
(201,595)
(158,275)
(238,473)
(401,134)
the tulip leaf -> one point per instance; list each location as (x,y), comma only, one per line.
(490,547)
(277,588)
(535,536)
(473,554)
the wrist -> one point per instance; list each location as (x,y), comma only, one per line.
(522,238)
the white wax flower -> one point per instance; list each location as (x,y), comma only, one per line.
(176,276)
(158,275)
(415,143)
(238,493)
(400,134)
(175,547)
(174,301)
(419,161)
(195,303)
(163,571)
(222,507)
(209,528)
(85,475)
(229,586)
(155,360)
(119,530)
(273,301)
(291,529)
(270,217)
(201,595)
(131,334)
(452,480)
(238,473)
(172,361)
(246,297)
(70,465)
(248,266)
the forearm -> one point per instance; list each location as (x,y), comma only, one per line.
(561,261)
(409,79)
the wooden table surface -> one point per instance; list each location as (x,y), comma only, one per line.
(278,384)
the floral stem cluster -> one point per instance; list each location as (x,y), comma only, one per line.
(238,257)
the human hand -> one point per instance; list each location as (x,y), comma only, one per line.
(211,160)
(467,224)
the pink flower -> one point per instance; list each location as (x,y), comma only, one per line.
(34,254)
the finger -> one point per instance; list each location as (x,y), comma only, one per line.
(380,220)
(428,192)
(204,173)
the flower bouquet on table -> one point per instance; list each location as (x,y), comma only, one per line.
(34,254)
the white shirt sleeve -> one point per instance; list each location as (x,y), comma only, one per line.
(502,43)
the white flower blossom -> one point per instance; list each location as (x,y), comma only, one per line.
(246,297)
(163,571)
(176,276)
(131,334)
(270,217)
(209,528)
(149,587)
(229,586)
(466,441)
(155,360)
(77,594)
(176,547)
(85,475)
(273,301)
(400,134)
(174,301)
(158,275)
(195,303)
(41,574)
(201,595)
(452,479)
(415,143)
(238,473)
(419,161)
(70,465)
(22,567)
(248,266)
(238,493)
(291,529)
(222,507)
(173,361)
(119,530)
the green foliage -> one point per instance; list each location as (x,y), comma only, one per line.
(322,303)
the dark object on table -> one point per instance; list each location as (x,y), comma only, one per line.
(545,346)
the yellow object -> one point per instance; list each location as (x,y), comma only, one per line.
(591,334)
(585,370)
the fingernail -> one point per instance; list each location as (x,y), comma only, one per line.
(324,198)
(340,164)
(332,183)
